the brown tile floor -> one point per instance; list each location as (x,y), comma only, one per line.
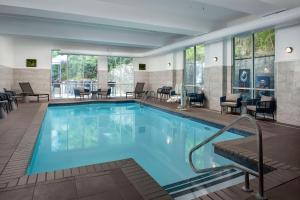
(109,185)
(283,146)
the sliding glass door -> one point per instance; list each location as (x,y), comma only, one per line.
(72,71)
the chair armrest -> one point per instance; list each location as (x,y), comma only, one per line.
(222,99)
(239,102)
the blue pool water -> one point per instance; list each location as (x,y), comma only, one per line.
(78,135)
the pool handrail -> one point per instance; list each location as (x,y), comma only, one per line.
(247,171)
(147,95)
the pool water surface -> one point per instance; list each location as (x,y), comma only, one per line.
(78,135)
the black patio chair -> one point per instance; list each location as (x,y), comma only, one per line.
(4,102)
(196,98)
(105,93)
(164,92)
(264,105)
(78,93)
(13,95)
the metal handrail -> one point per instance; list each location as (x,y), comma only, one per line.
(259,174)
(145,96)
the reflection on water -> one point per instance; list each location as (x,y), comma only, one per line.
(86,134)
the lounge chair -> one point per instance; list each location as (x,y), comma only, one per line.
(232,101)
(264,105)
(139,89)
(27,91)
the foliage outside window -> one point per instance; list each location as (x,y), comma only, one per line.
(193,69)
(253,71)
(121,71)
(69,71)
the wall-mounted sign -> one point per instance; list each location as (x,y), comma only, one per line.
(142,66)
(31,62)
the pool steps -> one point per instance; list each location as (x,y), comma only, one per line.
(204,183)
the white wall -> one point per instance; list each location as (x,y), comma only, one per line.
(160,63)
(214,50)
(220,49)
(287,37)
(23,48)
(287,71)
(6,51)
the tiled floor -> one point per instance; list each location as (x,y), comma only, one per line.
(111,184)
(119,180)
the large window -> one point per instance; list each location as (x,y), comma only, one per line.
(72,71)
(121,74)
(253,70)
(193,69)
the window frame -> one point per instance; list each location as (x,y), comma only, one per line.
(253,89)
(194,85)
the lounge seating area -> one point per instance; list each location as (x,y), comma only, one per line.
(232,101)
(265,105)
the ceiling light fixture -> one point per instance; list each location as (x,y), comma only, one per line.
(289,49)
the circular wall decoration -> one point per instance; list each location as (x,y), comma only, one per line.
(244,76)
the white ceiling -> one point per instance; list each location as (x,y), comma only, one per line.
(133,23)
